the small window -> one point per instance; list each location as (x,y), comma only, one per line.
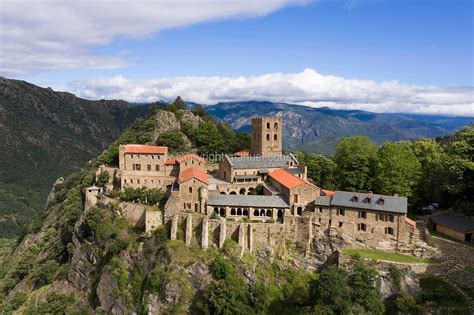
(192,161)
(148,167)
(268,125)
(138,181)
(319,220)
(340,224)
(157,168)
(137,167)
(275,137)
(389,230)
(295,198)
(190,190)
(268,137)
(320,209)
(361,227)
(390,217)
(131,181)
(275,126)
(363,214)
(341,212)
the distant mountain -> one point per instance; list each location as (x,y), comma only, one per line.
(44,135)
(319,129)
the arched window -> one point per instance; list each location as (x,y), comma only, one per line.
(269,213)
(222,192)
(232,211)
(268,125)
(232,193)
(239,211)
(222,212)
(262,212)
(242,191)
(216,210)
(256,213)
(280,214)
(268,137)
(275,126)
(275,137)
(190,190)
(299,211)
(245,212)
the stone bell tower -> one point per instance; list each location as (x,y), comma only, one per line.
(267,135)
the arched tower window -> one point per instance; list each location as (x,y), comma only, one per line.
(275,126)
(268,125)
(268,137)
(275,137)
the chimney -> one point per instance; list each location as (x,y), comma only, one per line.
(370,194)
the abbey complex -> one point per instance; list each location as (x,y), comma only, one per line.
(260,197)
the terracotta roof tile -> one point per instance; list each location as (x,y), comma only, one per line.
(181,159)
(145,149)
(327,192)
(170,162)
(286,179)
(193,172)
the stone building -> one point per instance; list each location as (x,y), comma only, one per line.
(267,135)
(369,217)
(290,209)
(298,192)
(143,166)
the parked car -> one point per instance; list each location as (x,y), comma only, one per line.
(428,210)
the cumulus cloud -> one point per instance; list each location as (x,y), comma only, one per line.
(38,35)
(307,87)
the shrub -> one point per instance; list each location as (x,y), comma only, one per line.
(405,302)
(44,274)
(103,178)
(56,303)
(221,268)
(17,300)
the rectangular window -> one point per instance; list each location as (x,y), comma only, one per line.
(320,209)
(390,217)
(137,167)
(363,214)
(295,198)
(148,167)
(341,212)
(157,168)
(361,227)
(389,230)
(340,224)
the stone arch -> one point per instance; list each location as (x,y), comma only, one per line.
(232,211)
(262,212)
(256,213)
(268,137)
(275,137)
(275,126)
(269,213)
(242,191)
(216,210)
(268,125)
(245,212)
(239,211)
(232,193)
(222,212)
(222,193)
(251,191)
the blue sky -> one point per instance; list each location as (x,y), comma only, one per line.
(416,43)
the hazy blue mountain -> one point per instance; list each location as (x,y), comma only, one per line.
(319,129)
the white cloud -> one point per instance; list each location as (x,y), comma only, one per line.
(307,87)
(37,35)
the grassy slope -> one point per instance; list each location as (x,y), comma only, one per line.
(386,256)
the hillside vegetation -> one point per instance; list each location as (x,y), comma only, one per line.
(45,135)
(72,261)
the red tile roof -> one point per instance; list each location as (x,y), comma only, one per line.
(145,149)
(193,172)
(170,162)
(326,192)
(182,158)
(286,179)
